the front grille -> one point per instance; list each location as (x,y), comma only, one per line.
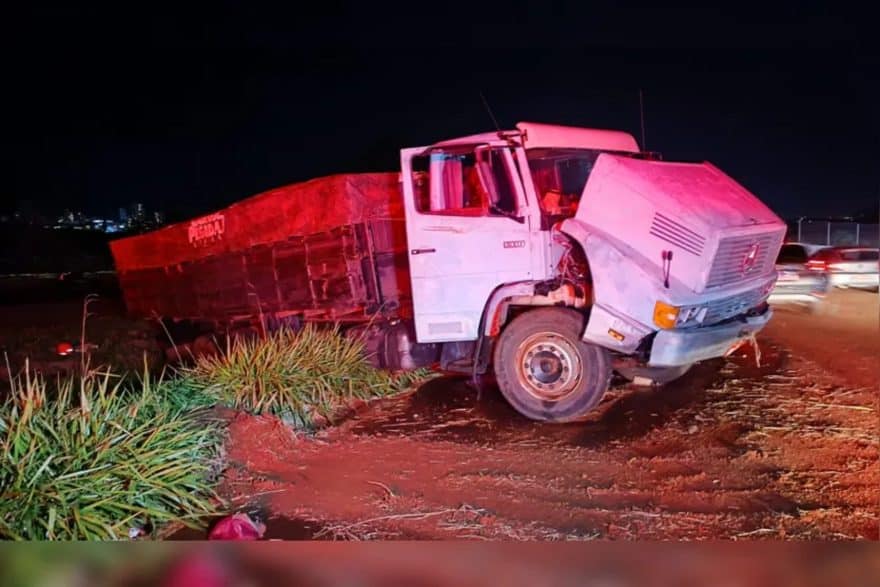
(725,308)
(729,265)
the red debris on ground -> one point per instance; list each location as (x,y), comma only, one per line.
(63,349)
(237,527)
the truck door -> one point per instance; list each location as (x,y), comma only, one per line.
(467,233)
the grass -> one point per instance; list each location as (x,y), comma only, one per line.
(91,458)
(295,375)
(95,456)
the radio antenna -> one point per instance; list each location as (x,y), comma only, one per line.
(489,110)
(642,118)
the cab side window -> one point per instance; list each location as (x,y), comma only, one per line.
(463,182)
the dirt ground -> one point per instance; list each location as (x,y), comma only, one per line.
(785,450)
(732,450)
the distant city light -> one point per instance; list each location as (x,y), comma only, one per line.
(135,218)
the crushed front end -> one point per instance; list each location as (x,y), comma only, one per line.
(682,259)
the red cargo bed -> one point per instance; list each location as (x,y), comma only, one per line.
(329,248)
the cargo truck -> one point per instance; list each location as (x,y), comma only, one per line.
(552,256)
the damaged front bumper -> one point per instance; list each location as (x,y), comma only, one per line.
(679,347)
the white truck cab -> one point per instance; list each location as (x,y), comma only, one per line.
(559,255)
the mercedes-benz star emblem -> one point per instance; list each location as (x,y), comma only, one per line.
(748,262)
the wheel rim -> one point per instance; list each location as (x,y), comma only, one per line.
(548,366)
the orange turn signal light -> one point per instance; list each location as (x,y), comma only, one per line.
(665,315)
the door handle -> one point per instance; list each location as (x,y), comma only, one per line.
(422,251)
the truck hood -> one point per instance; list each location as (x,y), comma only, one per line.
(718,233)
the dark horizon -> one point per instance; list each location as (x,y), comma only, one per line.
(192,113)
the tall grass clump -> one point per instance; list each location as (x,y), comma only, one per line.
(296,375)
(90,458)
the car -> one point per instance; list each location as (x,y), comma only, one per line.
(855,267)
(798,281)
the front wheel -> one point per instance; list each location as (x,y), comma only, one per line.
(545,370)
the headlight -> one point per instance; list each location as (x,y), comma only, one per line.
(685,314)
(691,315)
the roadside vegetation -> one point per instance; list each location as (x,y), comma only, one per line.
(94,457)
(106,456)
(303,377)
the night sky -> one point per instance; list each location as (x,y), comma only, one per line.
(190,109)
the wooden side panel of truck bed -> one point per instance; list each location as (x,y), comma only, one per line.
(332,248)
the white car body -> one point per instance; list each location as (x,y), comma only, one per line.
(856,267)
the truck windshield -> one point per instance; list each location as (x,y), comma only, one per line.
(560,176)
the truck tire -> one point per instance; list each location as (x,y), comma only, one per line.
(544,369)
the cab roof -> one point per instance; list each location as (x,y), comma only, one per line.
(537,135)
